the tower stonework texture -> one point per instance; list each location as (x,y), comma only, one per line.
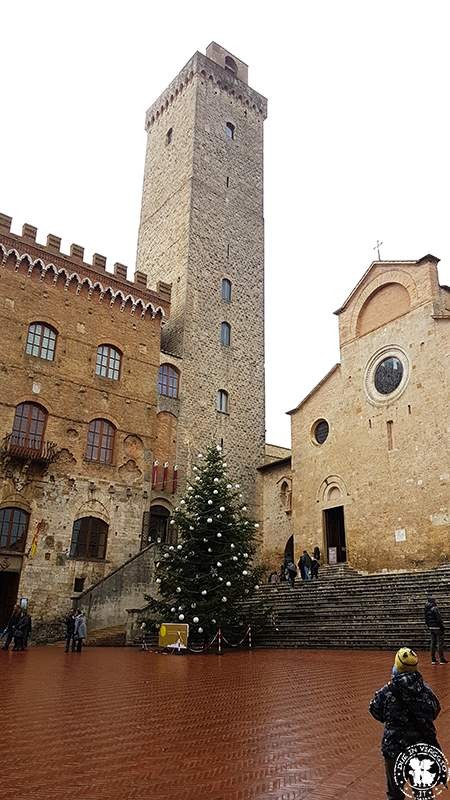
(202,230)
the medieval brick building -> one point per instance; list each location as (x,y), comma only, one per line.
(108,390)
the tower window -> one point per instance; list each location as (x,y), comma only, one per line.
(225,334)
(222,401)
(226,290)
(41,341)
(230,130)
(169,136)
(168,380)
(228,181)
(230,65)
(108,362)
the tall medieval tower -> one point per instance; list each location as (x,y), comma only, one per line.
(202,230)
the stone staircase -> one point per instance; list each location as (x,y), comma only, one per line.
(114,636)
(347,609)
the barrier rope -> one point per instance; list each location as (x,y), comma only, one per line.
(238,644)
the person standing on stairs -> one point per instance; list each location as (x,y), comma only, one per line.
(291,572)
(407,707)
(306,561)
(435,625)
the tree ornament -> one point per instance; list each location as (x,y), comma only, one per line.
(219,563)
(229,486)
(235,558)
(213,621)
(215,491)
(172,522)
(205,539)
(204,592)
(209,520)
(191,527)
(216,480)
(180,608)
(220,578)
(179,546)
(173,609)
(232,545)
(210,502)
(237,486)
(218,448)
(224,599)
(182,502)
(225,464)
(178,588)
(244,508)
(228,583)
(198,478)
(256,585)
(196,619)
(244,572)
(245,555)
(219,535)
(171,547)
(222,508)
(158,580)
(166,555)
(181,617)
(200,455)
(159,540)
(209,549)
(200,630)
(176,508)
(256,525)
(195,469)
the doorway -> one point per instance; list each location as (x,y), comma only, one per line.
(9,587)
(289,549)
(335,535)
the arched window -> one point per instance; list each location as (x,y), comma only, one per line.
(222,401)
(28,426)
(168,380)
(169,136)
(89,537)
(285,495)
(41,341)
(13,529)
(225,334)
(230,65)
(100,441)
(230,130)
(108,362)
(226,290)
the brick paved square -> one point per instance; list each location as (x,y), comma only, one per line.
(120,724)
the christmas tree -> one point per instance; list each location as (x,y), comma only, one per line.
(203,579)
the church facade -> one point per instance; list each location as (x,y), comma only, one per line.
(371,442)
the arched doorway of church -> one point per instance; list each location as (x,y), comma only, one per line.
(334,525)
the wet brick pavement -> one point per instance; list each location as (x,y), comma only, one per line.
(120,724)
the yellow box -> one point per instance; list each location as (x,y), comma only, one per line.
(173,634)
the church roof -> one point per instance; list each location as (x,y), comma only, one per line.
(422,260)
(317,386)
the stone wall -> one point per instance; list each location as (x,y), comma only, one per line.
(276,513)
(386,458)
(107,602)
(201,221)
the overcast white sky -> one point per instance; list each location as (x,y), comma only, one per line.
(357,141)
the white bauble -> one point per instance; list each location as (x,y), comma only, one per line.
(229,486)
(166,555)
(200,630)
(216,480)
(222,508)
(179,546)
(245,555)
(209,549)
(220,578)
(159,540)
(196,619)
(256,525)
(178,588)
(244,508)
(257,586)
(209,520)
(232,546)
(200,455)
(244,572)
(181,617)
(235,558)
(215,491)
(228,583)
(219,535)
(218,448)
(237,486)
(173,610)
(224,599)
(195,469)
(210,502)
(172,522)
(171,547)
(158,580)
(191,527)
(182,502)
(204,592)
(225,464)
(197,478)
(219,563)
(180,608)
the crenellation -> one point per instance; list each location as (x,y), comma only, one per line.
(99,262)
(5,222)
(140,278)
(53,243)
(120,271)
(76,252)
(29,232)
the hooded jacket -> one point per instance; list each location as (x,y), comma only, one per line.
(433,617)
(407,707)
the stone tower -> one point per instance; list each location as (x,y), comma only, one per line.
(202,230)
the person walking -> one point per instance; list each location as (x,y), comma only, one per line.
(80,631)
(315,563)
(291,572)
(21,630)
(435,625)
(307,562)
(407,707)
(10,626)
(26,627)
(70,631)
(301,568)
(316,553)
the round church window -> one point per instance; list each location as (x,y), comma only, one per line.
(388,375)
(321,431)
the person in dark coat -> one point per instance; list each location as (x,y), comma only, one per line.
(27,628)
(291,572)
(80,630)
(306,561)
(301,568)
(316,553)
(10,626)
(435,625)
(70,631)
(407,707)
(315,563)
(21,630)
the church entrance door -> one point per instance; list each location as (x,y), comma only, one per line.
(335,535)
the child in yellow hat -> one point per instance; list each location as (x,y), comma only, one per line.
(407,707)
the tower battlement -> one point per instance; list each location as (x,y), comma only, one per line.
(232,83)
